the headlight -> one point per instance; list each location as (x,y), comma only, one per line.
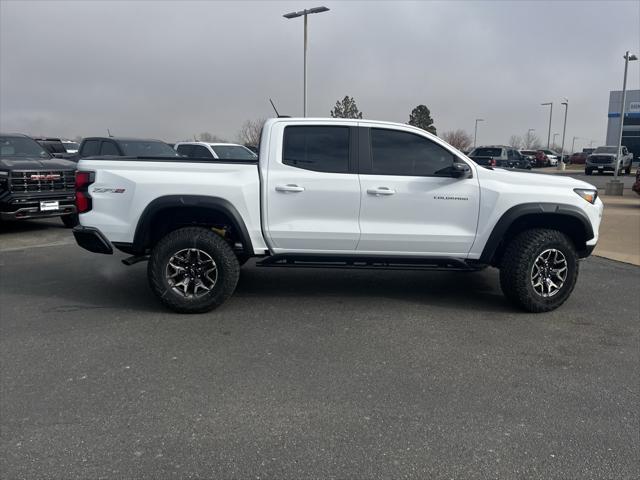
(589,195)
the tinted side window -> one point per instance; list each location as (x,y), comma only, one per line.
(200,152)
(109,148)
(318,148)
(185,150)
(89,148)
(401,153)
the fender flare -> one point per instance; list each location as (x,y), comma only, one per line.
(141,238)
(514,213)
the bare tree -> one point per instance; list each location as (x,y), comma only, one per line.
(211,138)
(458,138)
(250,132)
(515,141)
(530,141)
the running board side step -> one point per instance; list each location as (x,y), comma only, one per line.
(369,262)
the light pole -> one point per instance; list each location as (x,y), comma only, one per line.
(565,102)
(550,116)
(475,133)
(528,139)
(627,58)
(304,13)
(573,143)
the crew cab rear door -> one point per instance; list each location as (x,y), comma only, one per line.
(312,188)
(411,202)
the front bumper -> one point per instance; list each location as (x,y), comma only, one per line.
(17,206)
(92,239)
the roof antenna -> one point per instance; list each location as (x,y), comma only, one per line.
(109,132)
(274,108)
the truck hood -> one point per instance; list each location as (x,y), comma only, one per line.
(542,179)
(28,163)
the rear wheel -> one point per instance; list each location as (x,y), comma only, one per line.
(628,170)
(193,270)
(539,270)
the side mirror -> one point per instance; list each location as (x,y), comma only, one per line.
(460,170)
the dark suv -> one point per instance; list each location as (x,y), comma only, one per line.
(124,147)
(34,184)
(499,156)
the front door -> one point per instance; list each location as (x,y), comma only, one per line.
(411,203)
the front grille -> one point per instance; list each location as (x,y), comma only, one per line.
(601,160)
(42,181)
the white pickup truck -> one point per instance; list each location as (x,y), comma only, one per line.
(336,193)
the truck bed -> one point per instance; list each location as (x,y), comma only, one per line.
(125,186)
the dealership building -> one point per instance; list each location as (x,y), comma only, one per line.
(631,125)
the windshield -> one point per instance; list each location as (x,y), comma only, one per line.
(141,148)
(549,152)
(606,150)
(486,152)
(233,152)
(21,147)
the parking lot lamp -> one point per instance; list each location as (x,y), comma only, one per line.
(304,13)
(550,116)
(475,132)
(565,102)
(573,142)
(627,58)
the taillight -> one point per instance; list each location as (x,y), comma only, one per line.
(492,162)
(83,199)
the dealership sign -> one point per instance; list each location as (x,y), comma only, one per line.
(634,107)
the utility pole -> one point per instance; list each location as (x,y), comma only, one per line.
(475,133)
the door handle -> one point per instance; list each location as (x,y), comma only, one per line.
(381,191)
(290,187)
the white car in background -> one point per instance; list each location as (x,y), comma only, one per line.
(70,146)
(219,151)
(552,156)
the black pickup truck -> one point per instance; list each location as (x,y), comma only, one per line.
(34,184)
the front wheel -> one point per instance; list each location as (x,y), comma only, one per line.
(628,170)
(588,172)
(193,270)
(539,270)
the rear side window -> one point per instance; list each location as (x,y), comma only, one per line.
(200,152)
(89,148)
(109,148)
(318,148)
(487,152)
(185,150)
(394,152)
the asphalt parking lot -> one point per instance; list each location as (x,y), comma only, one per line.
(310,373)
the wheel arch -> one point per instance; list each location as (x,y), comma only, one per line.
(177,211)
(568,219)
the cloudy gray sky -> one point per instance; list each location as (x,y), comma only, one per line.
(171,69)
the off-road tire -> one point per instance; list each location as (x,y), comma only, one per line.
(228,270)
(517,264)
(70,221)
(588,172)
(628,170)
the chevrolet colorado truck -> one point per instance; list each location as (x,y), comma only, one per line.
(34,184)
(336,193)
